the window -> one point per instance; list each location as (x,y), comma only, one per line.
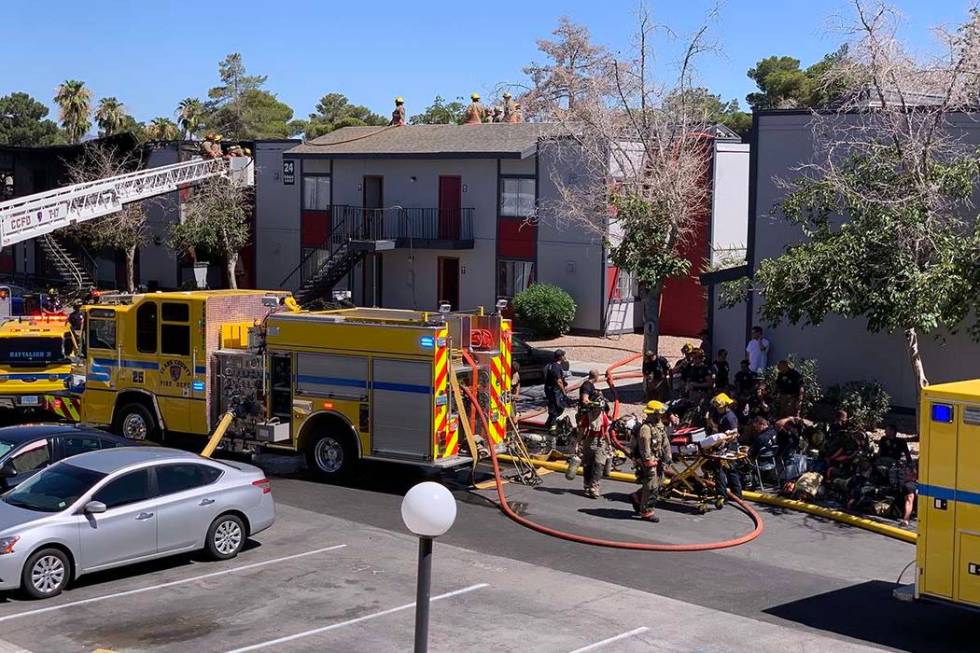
(146,328)
(33,456)
(173,312)
(177,478)
(54,490)
(101,329)
(513,277)
(517,197)
(316,193)
(72,445)
(126,489)
(32,350)
(175,338)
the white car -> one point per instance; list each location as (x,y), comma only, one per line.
(116,507)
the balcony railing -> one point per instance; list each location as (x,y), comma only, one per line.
(433,227)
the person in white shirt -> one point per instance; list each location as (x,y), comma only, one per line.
(757,351)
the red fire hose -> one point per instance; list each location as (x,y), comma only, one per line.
(615,544)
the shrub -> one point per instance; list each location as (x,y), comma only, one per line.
(811,386)
(866,402)
(546,310)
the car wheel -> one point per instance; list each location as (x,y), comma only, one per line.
(226,537)
(45,574)
(331,457)
(136,422)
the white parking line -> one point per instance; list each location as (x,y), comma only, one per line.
(172,583)
(616,638)
(351,622)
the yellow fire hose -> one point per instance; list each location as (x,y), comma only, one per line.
(219,433)
(759,497)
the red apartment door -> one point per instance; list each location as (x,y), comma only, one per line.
(450,205)
(448,281)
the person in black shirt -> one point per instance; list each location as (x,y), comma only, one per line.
(745,381)
(699,378)
(656,377)
(720,418)
(789,390)
(721,371)
(554,388)
(893,448)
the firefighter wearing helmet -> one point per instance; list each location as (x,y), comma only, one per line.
(650,451)
(475,113)
(398,115)
(510,108)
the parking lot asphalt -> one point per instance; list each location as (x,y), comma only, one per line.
(317,582)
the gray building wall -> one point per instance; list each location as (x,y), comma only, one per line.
(157,265)
(844,349)
(277,217)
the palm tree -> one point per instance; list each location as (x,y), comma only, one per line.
(110,116)
(74,103)
(190,115)
(162,129)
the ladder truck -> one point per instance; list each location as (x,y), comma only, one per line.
(34,370)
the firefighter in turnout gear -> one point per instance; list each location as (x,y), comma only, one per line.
(650,450)
(593,424)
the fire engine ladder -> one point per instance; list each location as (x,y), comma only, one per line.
(35,215)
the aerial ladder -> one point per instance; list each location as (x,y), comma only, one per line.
(39,214)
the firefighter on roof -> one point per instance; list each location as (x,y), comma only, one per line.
(398,115)
(475,113)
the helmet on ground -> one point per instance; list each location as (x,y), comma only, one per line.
(474,96)
(722,400)
(655,408)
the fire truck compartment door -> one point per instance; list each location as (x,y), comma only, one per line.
(401,405)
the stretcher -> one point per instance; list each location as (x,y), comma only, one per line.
(695,455)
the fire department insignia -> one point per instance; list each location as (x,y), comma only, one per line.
(175,370)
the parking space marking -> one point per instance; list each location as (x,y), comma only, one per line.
(610,640)
(173,583)
(351,622)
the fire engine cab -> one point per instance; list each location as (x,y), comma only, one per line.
(35,364)
(339,386)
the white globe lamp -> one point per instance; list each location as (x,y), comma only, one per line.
(429,509)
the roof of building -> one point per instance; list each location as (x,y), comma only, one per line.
(491,140)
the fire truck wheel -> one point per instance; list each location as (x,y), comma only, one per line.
(331,457)
(136,422)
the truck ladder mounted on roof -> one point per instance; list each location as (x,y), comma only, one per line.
(31,216)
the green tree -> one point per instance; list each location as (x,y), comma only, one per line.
(75,109)
(215,221)
(23,122)
(162,129)
(190,116)
(712,110)
(110,116)
(262,115)
(231,96)
(440,112)
(784,85)
(334,110)
(900,261)
(134,127)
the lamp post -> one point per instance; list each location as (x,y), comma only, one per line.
(428,510)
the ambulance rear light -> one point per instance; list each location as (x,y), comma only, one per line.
(264,484)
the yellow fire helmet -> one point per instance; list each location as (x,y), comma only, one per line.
(721,400)
(655,408)
(475,97)
(399,100)
(506,94)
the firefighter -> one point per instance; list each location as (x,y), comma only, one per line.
(650,450)
(554,388)
(211,146)
(593,426)
(75,317)
(475,113)
(509,108)
(398,115)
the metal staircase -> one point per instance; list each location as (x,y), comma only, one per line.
(35,215)
(68,268)
(341,261)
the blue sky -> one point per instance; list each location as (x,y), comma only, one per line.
(150,55)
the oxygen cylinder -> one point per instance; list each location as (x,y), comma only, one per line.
(573,465)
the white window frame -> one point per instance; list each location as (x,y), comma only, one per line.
(316,192)
(520,199)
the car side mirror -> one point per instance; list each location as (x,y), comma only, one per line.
(94,507)
(7,469)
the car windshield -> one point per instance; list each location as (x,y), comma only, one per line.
(53,489)
(32,351)
(5,447)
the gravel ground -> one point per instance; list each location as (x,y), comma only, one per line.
(594,349)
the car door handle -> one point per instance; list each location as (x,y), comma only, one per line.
(144,515)
(206,502)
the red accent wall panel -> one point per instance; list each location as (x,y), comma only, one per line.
(314,228)
(516,239)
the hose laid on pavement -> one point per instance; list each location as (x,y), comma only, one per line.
(615,544)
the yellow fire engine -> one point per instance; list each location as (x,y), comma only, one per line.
(948,546)
(339,386)
(35,367)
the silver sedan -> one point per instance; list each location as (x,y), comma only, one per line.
(116,507)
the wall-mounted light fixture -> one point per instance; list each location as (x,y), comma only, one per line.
(413,179)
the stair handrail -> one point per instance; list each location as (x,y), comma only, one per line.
(331,249)
(58,251)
